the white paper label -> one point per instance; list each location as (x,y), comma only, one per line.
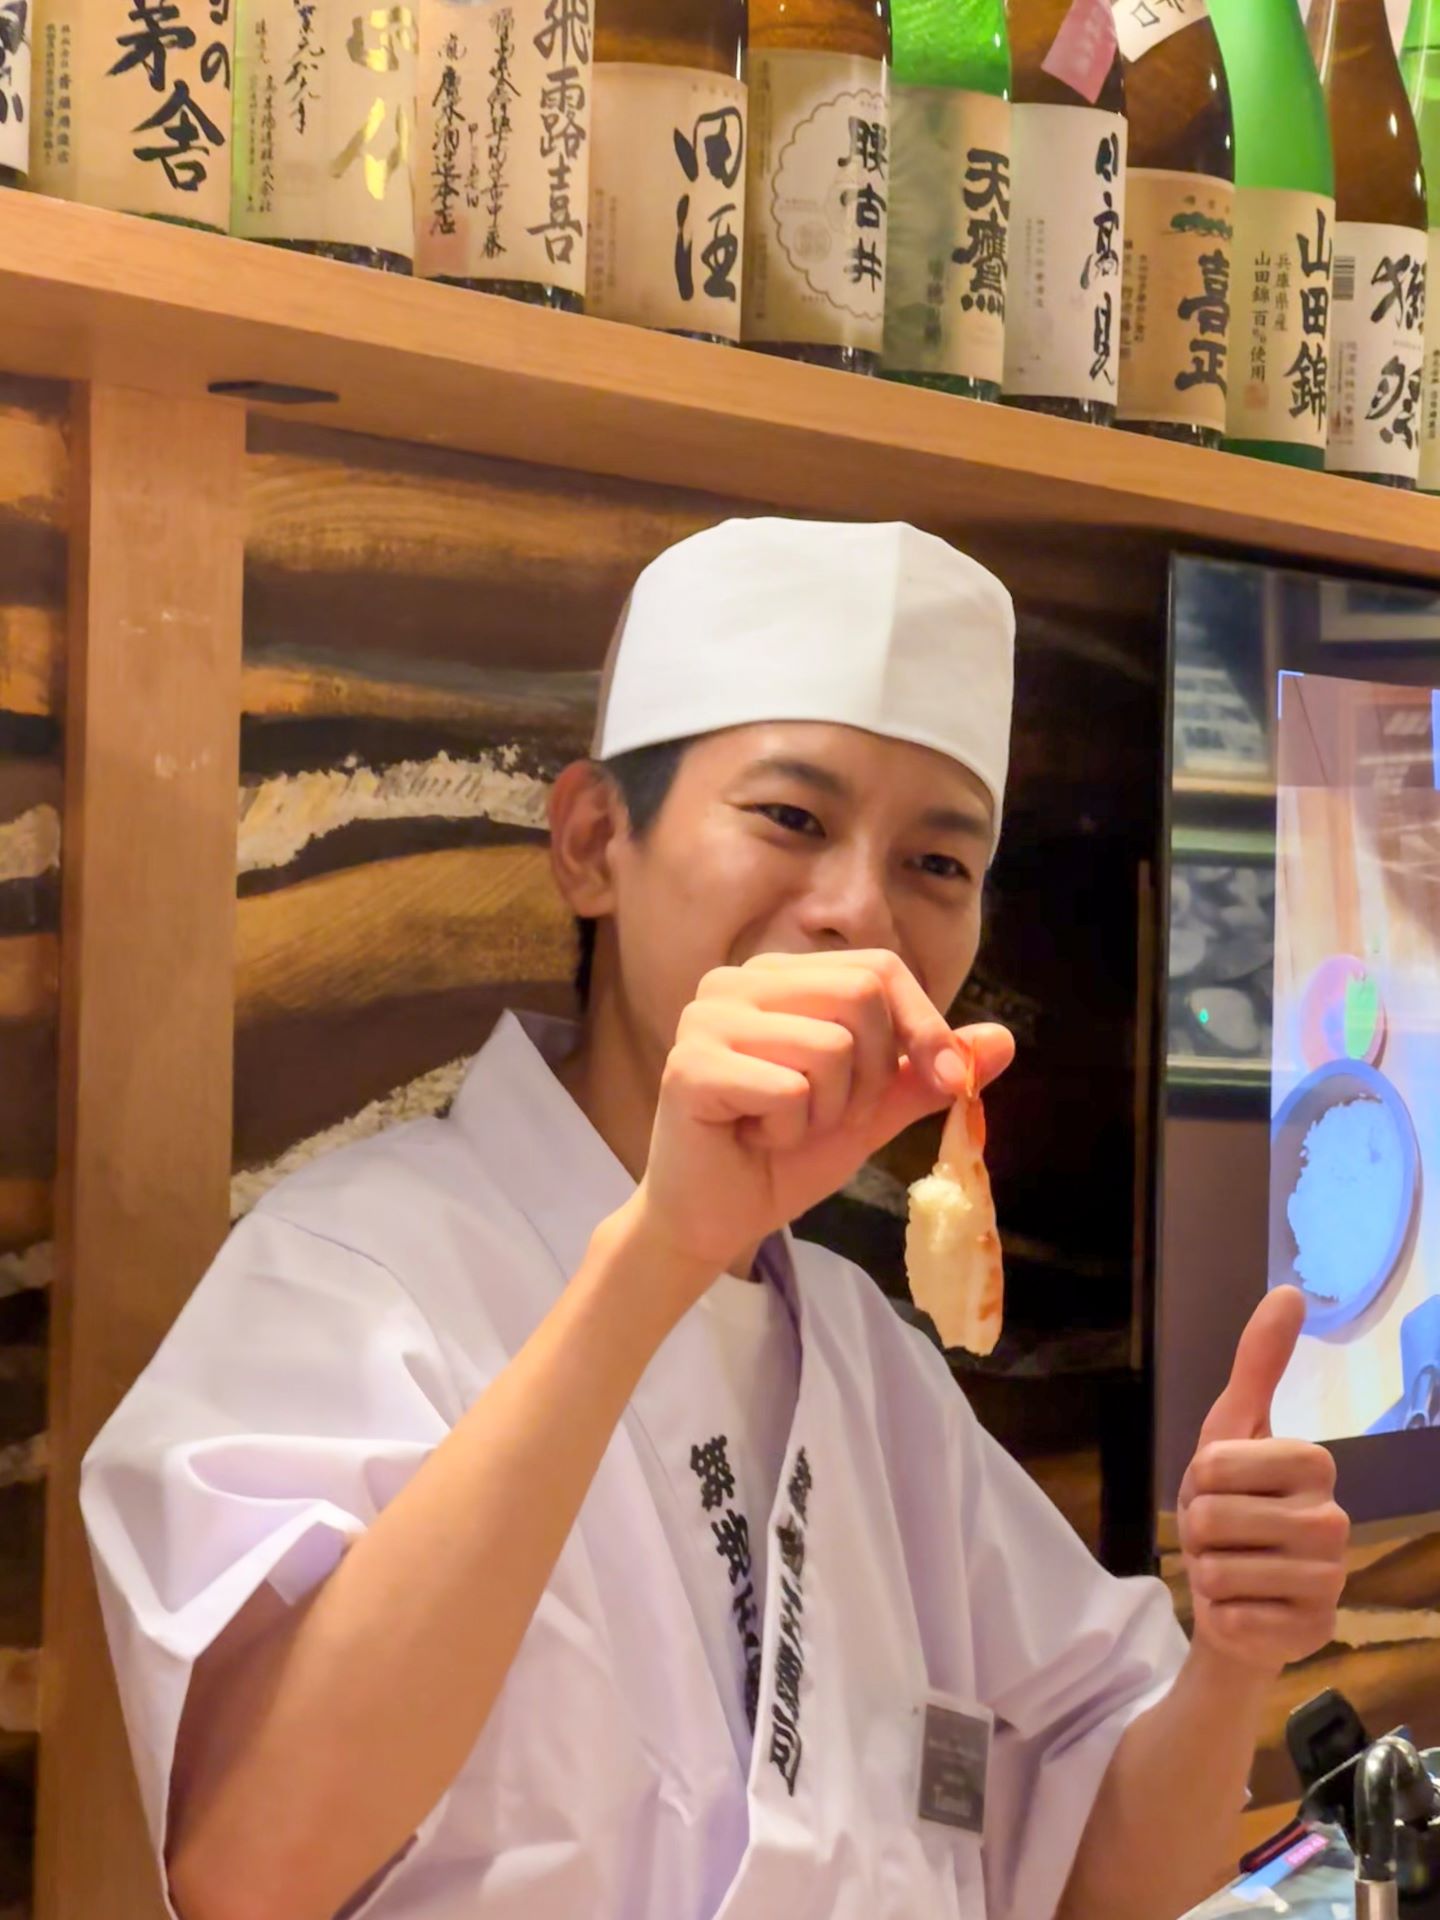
(1377,337)
(667,198)
(949,233)
(503,162)
(325,124)
(1430,384)
(15,28)
(1143,24)
(1280,317)
(1066,253)
(818,199)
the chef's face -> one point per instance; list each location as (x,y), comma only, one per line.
(781,838)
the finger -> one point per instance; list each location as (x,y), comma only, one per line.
(920,1028)
(1266,1467)
(719,1087)
(1237,1522)
(850,996)
(992,1048)
(908,1098)
(1266,1348)
(823,1050)
(1222,1577)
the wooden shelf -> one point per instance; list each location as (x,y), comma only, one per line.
(91,295)
(1190,786)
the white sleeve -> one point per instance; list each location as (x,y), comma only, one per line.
(296,1394)
(1067,1657)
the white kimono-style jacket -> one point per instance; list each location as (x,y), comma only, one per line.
(344,1330)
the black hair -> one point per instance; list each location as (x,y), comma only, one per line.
(643,779)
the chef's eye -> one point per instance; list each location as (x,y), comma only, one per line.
(943,866)
(792,819)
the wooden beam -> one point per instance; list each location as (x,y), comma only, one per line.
(146,1014)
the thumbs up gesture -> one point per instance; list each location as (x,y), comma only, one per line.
(1262,1536)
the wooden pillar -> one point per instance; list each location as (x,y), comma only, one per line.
(146,1025)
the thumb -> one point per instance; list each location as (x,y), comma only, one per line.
(1266,1347)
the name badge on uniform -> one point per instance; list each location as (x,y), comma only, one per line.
(955,1740)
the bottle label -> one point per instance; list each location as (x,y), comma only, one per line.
(1062,335)
(325,125)
(1430,385)
(818,199)
(667,198)
(1083,51)
(1143,24)
(15,27)
(1280,316)
(502,165)
(1377,349)
(1175,313)
(949,233)
(132,108)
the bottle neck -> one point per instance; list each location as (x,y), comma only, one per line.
(1422,28)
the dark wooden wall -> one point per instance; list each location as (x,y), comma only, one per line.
(32,605)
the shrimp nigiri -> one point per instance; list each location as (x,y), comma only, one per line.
(952,1246)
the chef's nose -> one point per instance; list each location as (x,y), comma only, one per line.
(849,903)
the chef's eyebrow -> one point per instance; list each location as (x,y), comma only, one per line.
(972,824)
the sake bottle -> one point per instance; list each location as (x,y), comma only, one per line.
(667,170)
(325,129)
(1420,68)
(1377,312)
(131,106)
(949,196)
(818,195)
(1179,224)
(502,160)
(14,92)
(1277,406)
(1062,321)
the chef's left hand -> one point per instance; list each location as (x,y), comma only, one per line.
(1263,1538)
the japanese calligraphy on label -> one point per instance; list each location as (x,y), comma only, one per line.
(667,198)
(949,233)
(1430,382)
(1175,314)
(819,200)
(1377,337)
(1280,317)
(325,124)
(1062,336)
(1143,24)
(502,167)
(133,107)
(15,26)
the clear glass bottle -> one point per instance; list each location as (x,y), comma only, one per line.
(1179,225)
(1277,407)
(1062,321)
(325,129)
(503,140)
(946,266)
(1377,310)
(667,176)
(819,181)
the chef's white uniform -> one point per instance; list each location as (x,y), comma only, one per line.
(344,1330)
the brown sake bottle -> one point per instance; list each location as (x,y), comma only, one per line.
(819,181)
(1377,307)
(1062,318)
(502,160)
(1179,225)
(667,166)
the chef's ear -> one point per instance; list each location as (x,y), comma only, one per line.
(587,815)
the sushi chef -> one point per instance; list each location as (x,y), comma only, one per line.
(518,1524)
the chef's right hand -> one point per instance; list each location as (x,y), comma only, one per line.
(786,1075)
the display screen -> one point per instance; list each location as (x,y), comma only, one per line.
(1300,1093)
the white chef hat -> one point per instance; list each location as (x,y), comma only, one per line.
(880,627)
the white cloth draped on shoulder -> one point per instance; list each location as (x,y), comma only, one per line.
(343,1331)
